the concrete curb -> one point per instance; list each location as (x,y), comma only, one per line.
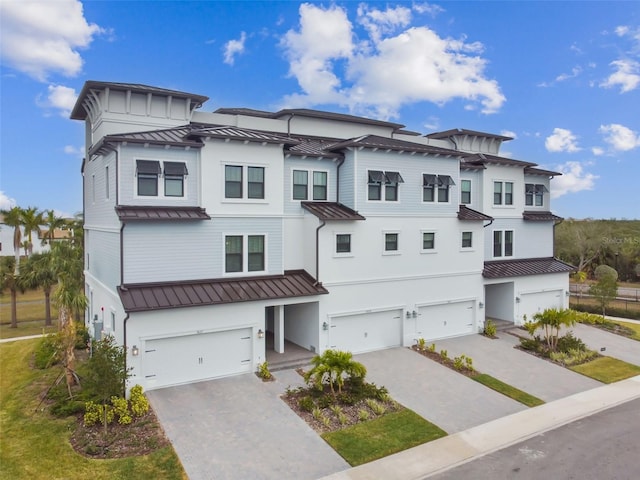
(29,337)
(448,452)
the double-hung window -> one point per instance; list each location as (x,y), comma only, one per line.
(503,243)
(233,181)
(428,240)
(444,182)
(301,185)
(255,182)
(148,172)
(465,192)
(534,194)
(239,179)
(467,239)
(235,259)
(390,242)
(392,179)
(343,243)
(436,186)
(174,173)
(376,180)
(503,193)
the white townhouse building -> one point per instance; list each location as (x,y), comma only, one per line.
(207,234)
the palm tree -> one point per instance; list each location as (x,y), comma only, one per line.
(31,220)
(53,222)
(333,367)
(10,280)
(13,218)
(38,271)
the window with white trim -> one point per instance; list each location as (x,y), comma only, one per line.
(534,194)
(465,192)
(377,179)
(391,242)
(428,241)
(503,193)
(436,187)
(467,239)
(300,190)
(343,243)
(503,243)
(244,253)
(174,173)
(235,184)
(148,172)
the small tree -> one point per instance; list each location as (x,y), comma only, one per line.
(332,368)
(604,291)
(105,372)
(551,321)
(38,271)
(11,280)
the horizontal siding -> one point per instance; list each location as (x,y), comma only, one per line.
(99,210)
(162,252)
(103,254)
(292,207)
(347,179)
(128,179)
(411,168)
(530,239)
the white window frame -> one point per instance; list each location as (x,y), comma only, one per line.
(245,182)
(436,190)
(462,180)
(310,184)
(435,242)
(537,193)
(503,243)
(383,187)
(160,181)
(467,249)
(334,247)
(503,194)
(384,242)
(245,254)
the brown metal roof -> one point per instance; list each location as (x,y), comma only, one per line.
(314,147)
(462,131)
(131,213)
(385,143)
(482,158)
(177,137)
(466,213)
(243,134)
(159,296)
(528,266)
(331,211)
(79,112)
(540,216)
(540,171)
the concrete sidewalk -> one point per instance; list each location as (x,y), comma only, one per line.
(28,337)
(440,455)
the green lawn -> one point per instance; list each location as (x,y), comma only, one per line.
(633,326)
(382,436)
(508,390)
(30,313)
(36,445)
(607,369)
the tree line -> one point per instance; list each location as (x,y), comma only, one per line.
(589,243)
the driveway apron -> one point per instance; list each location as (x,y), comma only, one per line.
(615,346)
(239,428)
(519,369)
(437,393)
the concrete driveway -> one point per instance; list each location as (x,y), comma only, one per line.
(437,393)
(522,370)
(615,346)
(238,428)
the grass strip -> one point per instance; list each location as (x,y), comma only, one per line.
(607,369)
(508,390)
(382,436)
(36,445)
(633,326)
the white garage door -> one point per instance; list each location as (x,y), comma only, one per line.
(532,303)
(189,358)
(367,331)
(445,320)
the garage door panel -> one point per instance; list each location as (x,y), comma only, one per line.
(445,320)
(189,358)
(532,303)
(367,332)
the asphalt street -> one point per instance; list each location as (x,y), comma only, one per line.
(604,446)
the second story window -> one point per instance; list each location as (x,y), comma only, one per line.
(301,185)
(174,173)
(392,180)
(233,253)
(465,192)
(148,172)
(503,243)
(444,182)
(319,185)
(436,183)
(255,179)
(534,194)
(376,180)
(239,179)
(232,181)
(503,193)
(235,259)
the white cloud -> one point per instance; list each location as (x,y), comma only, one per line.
(509,133)
(597,151)
(428,8)
(39,38)
(574,179)
(233,48)
(6,202)
(432,123)
(73,150)
(627,75)
(562,140)
(620,137)
(387,70)
(60,98)
(575,71)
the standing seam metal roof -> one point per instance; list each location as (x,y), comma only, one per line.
(331,211)
(528,266)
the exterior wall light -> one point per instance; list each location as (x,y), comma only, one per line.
(260,334)
(408,314)
(325,326)
(135,351)
(517,299)
(480,305)
(567,293)
(414,314)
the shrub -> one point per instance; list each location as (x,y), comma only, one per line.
(458,363)
(332,368)
(139,403)
(468,362)
(325,401)
(121,410)
(67,408)
(613,311)
(432,348)
(363,415)
(422,344)
(306,404)
(569,342)
(95,413)
(263,371)
(48,352)
(531,344)
(317,414)
(342,419)
(375,407)
(444,354)
(573,357)
(82,337)
(490,329)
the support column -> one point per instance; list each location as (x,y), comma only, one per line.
(278,328)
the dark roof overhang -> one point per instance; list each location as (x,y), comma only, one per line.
(540,171)
(466,213)
(541,216)
(242,134)
(384,143)
(528,266)
(462,131)
(331,211)
(160,296)
(484,158)
(134,213)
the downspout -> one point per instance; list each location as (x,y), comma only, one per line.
(291,115)
(126,350)
(318,253)
(122,254)
(485,226)
(338,179)
(555,224)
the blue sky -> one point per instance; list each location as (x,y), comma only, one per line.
(563,78)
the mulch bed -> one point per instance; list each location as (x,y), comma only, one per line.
(447,362)
(143,436)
